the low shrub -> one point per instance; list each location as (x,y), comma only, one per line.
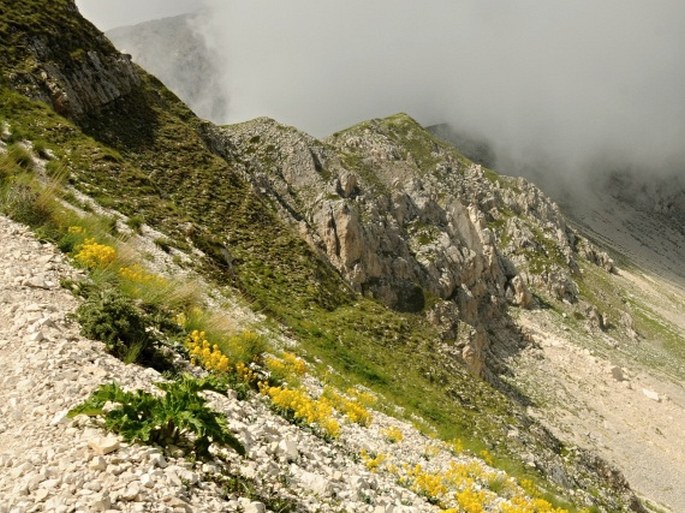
(26,202)
(180,417)
(111,318)
(136,223)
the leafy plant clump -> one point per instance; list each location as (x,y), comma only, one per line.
(180,417)
(111,318)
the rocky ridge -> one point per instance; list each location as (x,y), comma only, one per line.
(95,75)
(407,220)
(417,451)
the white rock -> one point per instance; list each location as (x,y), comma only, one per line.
(36,282)
(131,493)
(651,394)
(287,448)
(41,494)
(104,445)
(172,476)
(146,481)
(315,483)
(102,503)
(98,463)
(93,485)
(35,337)
(359,483)
(158,460)
(60,417)
(254,507)
(389,508)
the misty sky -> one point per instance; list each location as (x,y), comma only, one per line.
(108,14)
(556,82)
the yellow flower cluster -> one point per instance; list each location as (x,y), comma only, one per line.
(76,230)
(487,457)
(393,434)
(245,373)
(93,255)
(136,273)
(303,407)
(351,408)
(471,501)
(202,352)
(181,319)
(464,487)
(294,363)
(456,445)
(520,504)
(464,475)
(366,399)
(372,462)
(288,367)
(431,451)
(428,484)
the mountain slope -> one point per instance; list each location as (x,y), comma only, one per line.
(346,245)
(642,219)
(183,61)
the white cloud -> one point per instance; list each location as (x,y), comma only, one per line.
(107,15)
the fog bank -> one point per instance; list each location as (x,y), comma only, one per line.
(561,84)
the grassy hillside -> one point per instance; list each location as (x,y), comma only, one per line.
(143,156)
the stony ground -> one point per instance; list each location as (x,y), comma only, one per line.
(51,463)
(588,391)
(54,464)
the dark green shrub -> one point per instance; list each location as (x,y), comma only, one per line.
(111,318)
(180,417)
(163,243)
(7,168)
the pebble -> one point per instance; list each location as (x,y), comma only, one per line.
(104,445)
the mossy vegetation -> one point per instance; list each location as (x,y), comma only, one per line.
(64,37)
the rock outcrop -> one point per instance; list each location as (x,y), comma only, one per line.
(409,221)
(74,68)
